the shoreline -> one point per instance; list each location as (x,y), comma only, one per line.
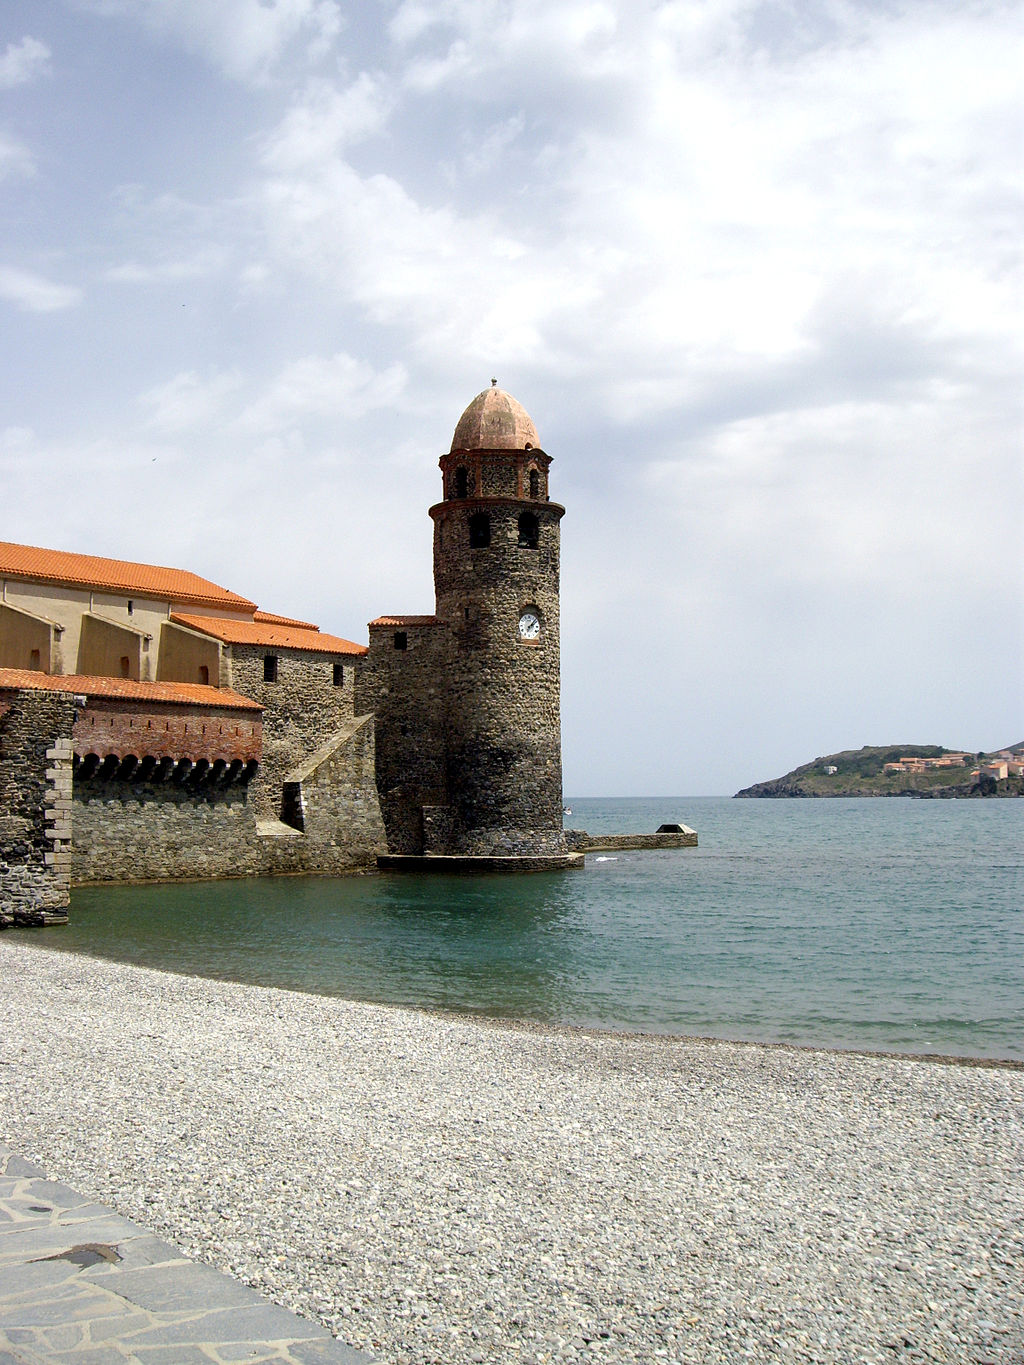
(542,1025)
(434,1186)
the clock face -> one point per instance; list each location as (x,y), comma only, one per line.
(529,626)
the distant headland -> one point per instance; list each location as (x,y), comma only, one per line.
(903,770)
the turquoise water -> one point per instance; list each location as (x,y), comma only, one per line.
(871,924)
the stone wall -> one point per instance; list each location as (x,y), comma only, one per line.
(502,704)
(129,831)
(407,690)
(302,709)
(332,798)
(602,843)
(135,832)
(35,806)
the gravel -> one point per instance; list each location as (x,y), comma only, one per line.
(439,1189)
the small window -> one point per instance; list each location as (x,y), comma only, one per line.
(462,482)
(204,675)
(33,661)
(479,531)
(270,668)
(401,640)
(529,531)
(534,484)
(126,666)
(339,675)
(131,607)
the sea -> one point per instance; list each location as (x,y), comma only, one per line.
(872,924)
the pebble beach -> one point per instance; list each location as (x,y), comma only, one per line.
(450,1189)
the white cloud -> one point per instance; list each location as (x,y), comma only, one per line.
(23,62)
(695,207)
(243,38)
(201,263)
(189,403)
(325,120)
(15,158)
(338,387)
(34,294)
(751,264)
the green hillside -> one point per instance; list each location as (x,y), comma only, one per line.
(861,772)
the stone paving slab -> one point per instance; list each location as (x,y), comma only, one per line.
(81,1285)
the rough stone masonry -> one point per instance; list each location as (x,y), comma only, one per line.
(35,807)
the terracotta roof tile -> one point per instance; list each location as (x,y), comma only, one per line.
(271,619)
(406,621)
(117,575)
(189,694)
(266,634)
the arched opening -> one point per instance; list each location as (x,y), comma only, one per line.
(90,763)
(462,482)
(479,531)
(529,531)
(534,483)
(108,768)
(126,666)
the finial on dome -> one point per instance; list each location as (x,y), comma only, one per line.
(495,421)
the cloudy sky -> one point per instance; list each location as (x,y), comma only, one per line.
(752,266)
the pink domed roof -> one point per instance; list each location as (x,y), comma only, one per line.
(495,421)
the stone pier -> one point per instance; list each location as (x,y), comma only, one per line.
(35,807)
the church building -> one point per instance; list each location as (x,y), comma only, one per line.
(202,736)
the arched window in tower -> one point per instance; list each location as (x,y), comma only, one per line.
(529,531)
(479,531)
(462,482)
(534,483)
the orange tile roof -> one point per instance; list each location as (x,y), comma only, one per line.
(118,575)
(190,694)
(265,634)
(406,621)
(271,619)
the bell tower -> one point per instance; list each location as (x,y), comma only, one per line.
(496,576)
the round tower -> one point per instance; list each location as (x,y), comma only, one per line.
(496,553)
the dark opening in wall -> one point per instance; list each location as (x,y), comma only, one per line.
(462,482)
(204,675)
(529,531)
(479,531)
(270,668)
(131,607)
(33,661)
(126,666)
(339,675)
(534,484)
(401,640)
